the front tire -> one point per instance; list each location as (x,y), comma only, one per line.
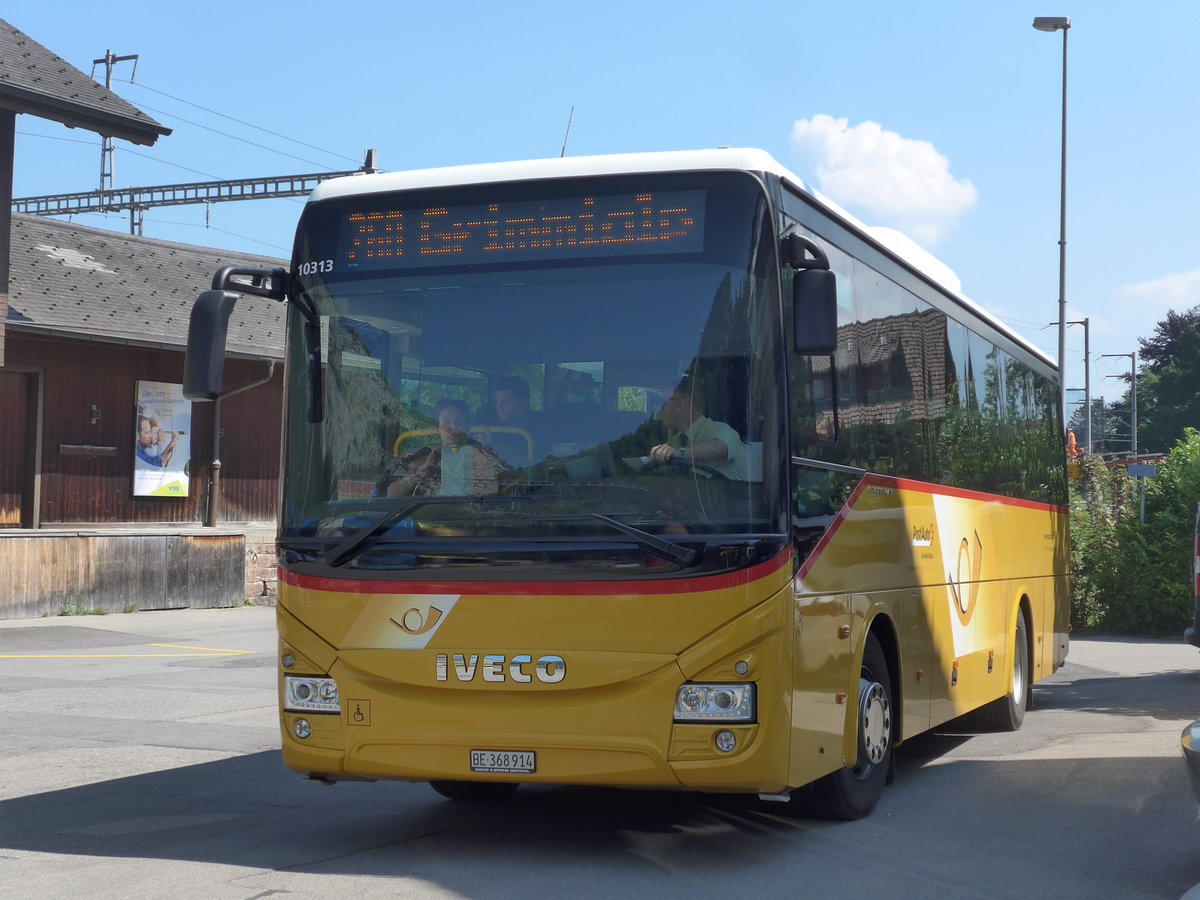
(852,793)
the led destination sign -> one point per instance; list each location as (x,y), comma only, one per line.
(559,228)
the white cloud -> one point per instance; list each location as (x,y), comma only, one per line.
(1179,291)
(1137,308)
(899,181)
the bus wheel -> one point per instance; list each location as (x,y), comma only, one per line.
(852,793)
(1008,712)
(475,791)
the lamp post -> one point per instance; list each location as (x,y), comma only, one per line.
(1063,24)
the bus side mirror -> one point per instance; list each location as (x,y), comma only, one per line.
(204,363)
(814,312)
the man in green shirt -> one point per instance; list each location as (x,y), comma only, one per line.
(697,438)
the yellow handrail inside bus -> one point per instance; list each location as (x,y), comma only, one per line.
(474,430)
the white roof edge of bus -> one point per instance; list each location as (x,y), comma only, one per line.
(894,242)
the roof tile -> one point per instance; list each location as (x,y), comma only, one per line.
(141,289)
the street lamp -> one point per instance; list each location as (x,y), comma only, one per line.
(1063,24)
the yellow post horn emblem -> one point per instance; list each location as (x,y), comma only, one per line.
(413,622)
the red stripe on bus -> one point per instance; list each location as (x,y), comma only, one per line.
(922,487)
(568,588)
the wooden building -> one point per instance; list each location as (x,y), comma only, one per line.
(93,314)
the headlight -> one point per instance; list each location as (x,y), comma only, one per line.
(715,703)
(308,692)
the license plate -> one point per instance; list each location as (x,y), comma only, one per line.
(522,762)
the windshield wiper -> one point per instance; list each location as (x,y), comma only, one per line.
(648,540)
(352,544)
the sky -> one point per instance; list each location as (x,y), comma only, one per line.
(940,119)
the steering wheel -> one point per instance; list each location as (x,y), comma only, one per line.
(684,462)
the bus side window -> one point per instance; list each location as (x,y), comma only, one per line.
(812,493)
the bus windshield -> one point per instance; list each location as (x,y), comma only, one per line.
(575,372)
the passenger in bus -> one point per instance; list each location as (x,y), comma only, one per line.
(459,467)
(696,437)
(510,410)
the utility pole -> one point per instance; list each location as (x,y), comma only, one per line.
(106,143)
(1087,387)
(1087,384)
(1132,398)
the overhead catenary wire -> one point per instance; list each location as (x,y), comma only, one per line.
(179,224)
(233,137)
(215,112)
(154,158)
(165,162)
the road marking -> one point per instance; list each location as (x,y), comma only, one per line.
(208,649)
(202,651)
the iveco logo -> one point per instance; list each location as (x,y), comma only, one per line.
(496,667)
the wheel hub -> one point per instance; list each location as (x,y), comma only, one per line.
(874,723)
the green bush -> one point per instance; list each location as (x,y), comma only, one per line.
(1130,576)
(1099,499)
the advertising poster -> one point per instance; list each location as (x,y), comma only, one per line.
(162,447)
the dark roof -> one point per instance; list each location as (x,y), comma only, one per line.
(71,280)
(35,81)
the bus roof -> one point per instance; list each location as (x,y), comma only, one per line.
(741,159)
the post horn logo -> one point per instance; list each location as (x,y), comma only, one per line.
(413,622)
(965,596)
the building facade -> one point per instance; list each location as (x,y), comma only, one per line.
(96,328)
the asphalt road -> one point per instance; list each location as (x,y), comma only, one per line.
(138,759)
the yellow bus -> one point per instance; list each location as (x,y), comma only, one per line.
(646,471)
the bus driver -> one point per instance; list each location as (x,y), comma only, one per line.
(697,438)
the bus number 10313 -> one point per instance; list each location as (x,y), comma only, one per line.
(315,267)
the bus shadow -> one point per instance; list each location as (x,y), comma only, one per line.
(929,747)
(1163,695)
(248,812)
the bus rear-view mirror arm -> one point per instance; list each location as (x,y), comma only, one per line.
(814,306)
(208,330)
(249,280)
(814,297)
(208,327)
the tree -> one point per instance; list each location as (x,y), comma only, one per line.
(1159,350)
(1169,393)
